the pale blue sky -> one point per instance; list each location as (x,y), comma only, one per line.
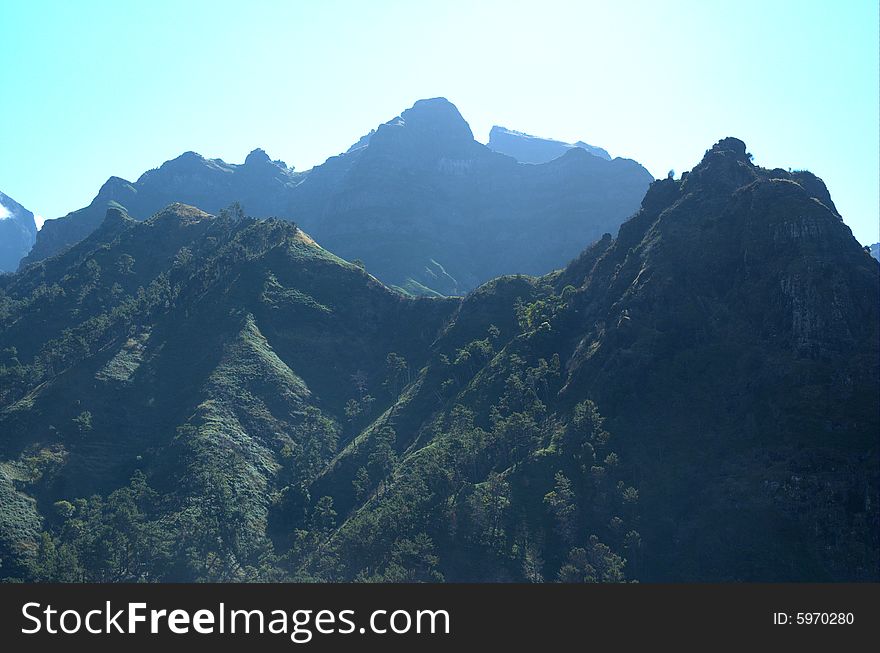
(93,89)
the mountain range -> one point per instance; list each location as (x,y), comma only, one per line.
(259,182)
(418,200)
(217,397)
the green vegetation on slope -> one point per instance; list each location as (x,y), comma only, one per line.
(218,398)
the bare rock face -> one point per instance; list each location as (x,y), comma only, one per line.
(18,231)
(737,316)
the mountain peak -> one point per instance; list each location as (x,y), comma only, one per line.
(436,105)
(115,220)
(725,166)
(438,115)
(113,184)
(257,157)
(117,214)
(189,156)
(188,162)
(183,213)
(730,144)
(434,121)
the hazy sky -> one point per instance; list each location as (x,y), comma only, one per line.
(93,89)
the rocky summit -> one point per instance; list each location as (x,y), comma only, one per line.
(430,210)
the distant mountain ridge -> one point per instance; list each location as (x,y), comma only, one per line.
(18,232)
(526,148)
(428,208)
(211,184)
(425,206)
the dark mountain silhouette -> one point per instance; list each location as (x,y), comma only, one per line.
(735,318)
(696,399)
(419,201)
(18,231)
(427,208)
(526,148)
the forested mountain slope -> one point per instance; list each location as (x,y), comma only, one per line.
(201,398)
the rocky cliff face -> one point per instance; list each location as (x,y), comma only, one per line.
(18,231)
(736,316)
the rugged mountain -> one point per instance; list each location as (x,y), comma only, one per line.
(526,148)
(18,231)
(419,201)
(731,335)
(259,183)
(281,414)
(216,354)
(220,398)
(427,208)
(875,251)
